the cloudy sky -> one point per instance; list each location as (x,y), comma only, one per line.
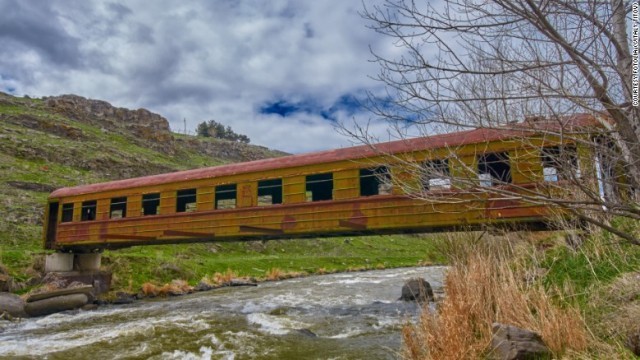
(282,72)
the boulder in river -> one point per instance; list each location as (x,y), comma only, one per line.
(306,332)
(56,304)
(12,304)
(417,289)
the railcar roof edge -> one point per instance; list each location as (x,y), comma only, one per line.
(570,123)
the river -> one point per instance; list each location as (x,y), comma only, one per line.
(338,316)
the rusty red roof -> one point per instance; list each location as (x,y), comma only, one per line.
(350,153)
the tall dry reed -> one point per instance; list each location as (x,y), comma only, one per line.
(481,288)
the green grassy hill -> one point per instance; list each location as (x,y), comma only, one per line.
(69,140)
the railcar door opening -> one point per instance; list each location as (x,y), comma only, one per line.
(52,225)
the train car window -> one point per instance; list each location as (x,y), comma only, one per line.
(436,175)
(118,209)
(559,163)
(67,212)
(376,181)
(494,169)
(319,187)
(186,200)
(226,196)
(269,192)
(89,210)
(151,204)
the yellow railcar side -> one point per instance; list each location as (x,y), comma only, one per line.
(343,214)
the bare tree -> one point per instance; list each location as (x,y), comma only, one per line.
(492,63)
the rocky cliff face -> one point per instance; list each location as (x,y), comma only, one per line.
(148,127)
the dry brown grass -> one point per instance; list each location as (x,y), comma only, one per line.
(325,271)
(224,278)
(149,289)
(274,274)
(357,268)
(481,289)
(175,287)
(618,310)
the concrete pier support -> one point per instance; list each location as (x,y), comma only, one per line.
(58,262)
(83,268)
(87,262)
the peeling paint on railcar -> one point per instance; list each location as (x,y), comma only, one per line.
(346,214)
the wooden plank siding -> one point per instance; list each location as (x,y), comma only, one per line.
(347,212)
(375,213)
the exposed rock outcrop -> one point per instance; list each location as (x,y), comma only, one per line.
(12,304)
(224,149)
(633,341)
(31,186)
(108,141)
(513,343)
(147,126)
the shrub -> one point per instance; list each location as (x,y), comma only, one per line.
(216,130)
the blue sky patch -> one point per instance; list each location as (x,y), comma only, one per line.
(348,104)
(280,107)
(5,88)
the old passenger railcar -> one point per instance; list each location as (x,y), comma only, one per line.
(344,191)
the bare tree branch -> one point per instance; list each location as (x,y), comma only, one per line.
(492,63)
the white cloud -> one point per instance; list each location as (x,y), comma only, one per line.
(202,60)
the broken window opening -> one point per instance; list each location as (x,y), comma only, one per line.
(319,187)
(226,196)
(118,209)
(436,175)
(494,169)
(559,163)
(89,210)
(269,192)
(186,200)
(376,181)
(67,213)
(151,204)
(607,160)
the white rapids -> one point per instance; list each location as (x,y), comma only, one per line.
(338,316)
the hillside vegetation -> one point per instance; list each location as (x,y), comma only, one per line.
(68,140)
